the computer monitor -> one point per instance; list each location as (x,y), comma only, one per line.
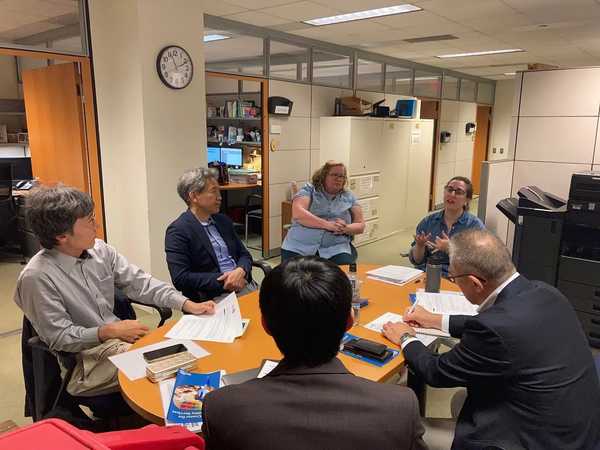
(231,156)
(21,167)
(214,154)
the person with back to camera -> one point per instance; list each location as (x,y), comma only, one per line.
(325,217)
(435,230)
(310,400)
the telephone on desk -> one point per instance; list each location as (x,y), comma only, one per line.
(23,185)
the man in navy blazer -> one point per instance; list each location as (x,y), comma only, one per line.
(205,256)
(529,373)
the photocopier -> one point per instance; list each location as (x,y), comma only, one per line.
(558,242)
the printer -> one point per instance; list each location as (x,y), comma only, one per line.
(538,218)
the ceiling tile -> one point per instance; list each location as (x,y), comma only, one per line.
(257,4)
(28,30)
(346,6)
(221,8)
(461,10)
(257,18)
(38,8)
(556,10)
(304,10)
(414,19)
(11,20)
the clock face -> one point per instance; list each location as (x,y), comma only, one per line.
(175,67)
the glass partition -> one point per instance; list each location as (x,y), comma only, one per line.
(288,61)
(370,75)
(428,84)
(233,52)
(332,69)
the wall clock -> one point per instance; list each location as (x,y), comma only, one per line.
(174,66)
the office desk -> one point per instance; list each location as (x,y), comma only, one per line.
(255,345)
(225,188)
(237,186)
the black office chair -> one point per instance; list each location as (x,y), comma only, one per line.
(252,210)
(45,389)
(265,267)
(28,241)
(8,215)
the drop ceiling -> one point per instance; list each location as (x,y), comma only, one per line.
(562,33)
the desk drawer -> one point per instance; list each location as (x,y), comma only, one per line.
(579,270)
(583,297)
(591,327)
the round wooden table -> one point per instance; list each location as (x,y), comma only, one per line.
(255,345)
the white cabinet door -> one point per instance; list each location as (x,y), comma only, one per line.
(365,146)
(419,172)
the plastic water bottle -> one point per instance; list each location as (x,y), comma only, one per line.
(352,276)
(433,271)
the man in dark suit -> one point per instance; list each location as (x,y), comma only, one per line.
(205,256)
(529,373)
(310,400)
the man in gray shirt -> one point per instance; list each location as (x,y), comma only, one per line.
(67,289)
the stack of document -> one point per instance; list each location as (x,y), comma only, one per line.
(446,303)
(224,326)
(425,335)
(133,365)
(398,275)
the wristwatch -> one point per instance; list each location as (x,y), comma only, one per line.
(405,337)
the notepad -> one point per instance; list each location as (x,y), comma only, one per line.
(397,275)
(425,335)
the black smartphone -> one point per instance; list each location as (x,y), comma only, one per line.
(165,351)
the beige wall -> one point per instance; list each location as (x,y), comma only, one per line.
(501,120)
(555,127)
(149,134)
(454,158)
(8,77)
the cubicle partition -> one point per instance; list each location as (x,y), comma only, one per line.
(496,184)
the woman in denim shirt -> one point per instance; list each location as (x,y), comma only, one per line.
(435,230)
(325,216)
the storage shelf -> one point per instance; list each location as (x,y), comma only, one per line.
(10,144)
(249,143)
(252,119)
(231,94)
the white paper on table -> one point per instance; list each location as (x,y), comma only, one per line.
(394,274)
(223,326)
(133,365)
(443,303)
(267,367)
(378,323)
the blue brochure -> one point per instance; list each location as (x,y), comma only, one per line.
(189,391)
(392,353)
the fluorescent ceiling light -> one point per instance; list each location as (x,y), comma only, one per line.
(215,37)
(510,74)
(488,52)
(367,14)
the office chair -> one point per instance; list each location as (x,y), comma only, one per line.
(8,215)
(45,388)
(28,241)
(255,213)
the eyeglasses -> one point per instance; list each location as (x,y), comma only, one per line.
(337,175)
(450,190)
(453,278)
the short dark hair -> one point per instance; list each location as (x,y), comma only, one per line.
(52,211)
(305,303)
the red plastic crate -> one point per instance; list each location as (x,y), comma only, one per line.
(56,434)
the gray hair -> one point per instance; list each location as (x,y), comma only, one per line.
(52,211)
(194,180)
(481,253)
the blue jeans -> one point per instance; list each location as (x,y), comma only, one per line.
(341,259)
